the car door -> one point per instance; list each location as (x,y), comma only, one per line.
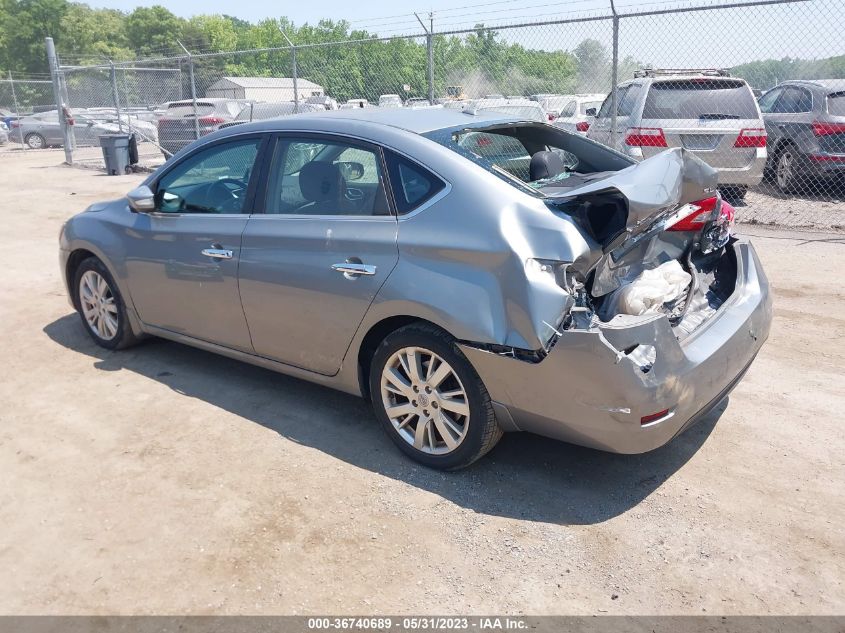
(790,116)
(770,117)
(182,259)
(313,261)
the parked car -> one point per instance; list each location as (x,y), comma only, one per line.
(390,101)
(372,251)
(707,112)
(4,134)
(805,122)
(42,130)
(578,112)
(179,127)
(417,102)
(328,103)
(521,108)
(261,111)
(351,104)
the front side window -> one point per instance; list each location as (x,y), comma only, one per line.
(568,110)
(212,180)
(412,184)
(325,177)
(767,101)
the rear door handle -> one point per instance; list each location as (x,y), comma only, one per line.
(349,268)
(217,253)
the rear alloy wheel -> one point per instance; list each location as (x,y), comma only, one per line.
(35,141)
(101,307)
(430,400)
(785,170)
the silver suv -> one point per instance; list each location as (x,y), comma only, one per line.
(705,111)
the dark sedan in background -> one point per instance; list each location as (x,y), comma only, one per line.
(805,123)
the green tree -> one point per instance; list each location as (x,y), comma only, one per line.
(152,30)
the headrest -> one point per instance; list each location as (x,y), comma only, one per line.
(321,182)
(545,164)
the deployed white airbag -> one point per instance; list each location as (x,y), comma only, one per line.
(653,288)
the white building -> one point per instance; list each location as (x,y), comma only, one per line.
(262,88)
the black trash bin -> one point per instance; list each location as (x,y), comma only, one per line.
(116,153)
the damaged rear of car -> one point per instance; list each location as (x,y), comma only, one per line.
(640,324)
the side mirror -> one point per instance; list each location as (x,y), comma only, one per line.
(351,170)
(141,199)
(590,112)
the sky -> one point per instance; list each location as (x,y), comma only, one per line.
(723,38)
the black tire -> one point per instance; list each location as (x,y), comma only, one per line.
(482,432)
(41,142)
(123,336)
(734,192)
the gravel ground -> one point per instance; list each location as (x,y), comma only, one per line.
(164,479)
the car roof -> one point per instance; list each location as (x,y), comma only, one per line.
(831,85)
(417,121)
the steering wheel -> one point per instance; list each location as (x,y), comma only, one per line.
(229,192)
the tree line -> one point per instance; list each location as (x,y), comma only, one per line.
(482,61)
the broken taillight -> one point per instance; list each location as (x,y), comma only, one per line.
(699,216)
(582,126)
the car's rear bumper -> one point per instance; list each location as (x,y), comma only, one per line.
(590,392)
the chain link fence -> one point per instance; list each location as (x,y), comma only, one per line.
(756,89)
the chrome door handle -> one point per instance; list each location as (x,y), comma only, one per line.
(217,253)
(349,268)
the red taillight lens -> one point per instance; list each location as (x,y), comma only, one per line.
(825,129)
(483,141)
(700,214)
(645,137)
(751,137)
(211,120)
(648,419)
(551,116)
(15,123)
(70,121)
(582,126)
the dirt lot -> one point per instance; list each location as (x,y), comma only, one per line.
(163,479)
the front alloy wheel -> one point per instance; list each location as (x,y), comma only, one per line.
(429,398)
(100,306)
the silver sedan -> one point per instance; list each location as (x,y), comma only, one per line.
(469,274)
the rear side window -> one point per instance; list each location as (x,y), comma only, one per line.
(836,104)
(794,101)
(412,185)
(626,100)
(700,99)
(183,109)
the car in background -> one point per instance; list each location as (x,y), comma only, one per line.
(261,111)
(417,102)
(326,102)
(521,107)
(4,134)
(578,112)
(179,126)
(390,101)
(42,130)
(805,123)
(707,112)
(351,104)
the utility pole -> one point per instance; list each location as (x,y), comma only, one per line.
(17,110)
(115,94)
(614,71)
(193,89)
(294,71)
(67,132)
(429,44)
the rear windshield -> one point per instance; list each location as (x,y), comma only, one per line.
(700,99)
(507,151)
(187,109)
(836,104)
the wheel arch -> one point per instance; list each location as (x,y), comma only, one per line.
(374,336)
